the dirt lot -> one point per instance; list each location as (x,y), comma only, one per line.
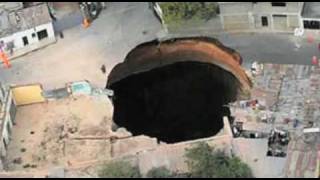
(45,135)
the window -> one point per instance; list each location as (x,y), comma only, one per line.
(282,4)
(264,20)
(33,35)
(25,40)
(42,34)
(311,24)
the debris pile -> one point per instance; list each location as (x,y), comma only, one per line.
(277,143)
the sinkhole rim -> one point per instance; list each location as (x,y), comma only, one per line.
(154,55)
(203,131)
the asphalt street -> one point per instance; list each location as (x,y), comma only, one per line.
(272,48)
(279,48)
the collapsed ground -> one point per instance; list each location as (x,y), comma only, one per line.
(174,103)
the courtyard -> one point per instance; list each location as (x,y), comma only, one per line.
(55,133)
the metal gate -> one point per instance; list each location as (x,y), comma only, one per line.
(280,22)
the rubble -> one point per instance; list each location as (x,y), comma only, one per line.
(277,143)
(290,99)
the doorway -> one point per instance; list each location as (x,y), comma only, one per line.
(25,41)
(42,34)
(264,20)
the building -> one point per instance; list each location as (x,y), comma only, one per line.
(24,29)
(261,16)
(311,15)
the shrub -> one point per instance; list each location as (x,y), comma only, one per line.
(204,162)
(177,12)
(160,172)
(119,169)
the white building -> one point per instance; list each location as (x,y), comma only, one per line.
(311,15)
(24,29)
(261,16)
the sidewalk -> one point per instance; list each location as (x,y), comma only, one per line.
(31,48)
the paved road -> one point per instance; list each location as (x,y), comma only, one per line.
(263,47)
(272,48)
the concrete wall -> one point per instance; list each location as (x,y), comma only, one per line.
(6,125)
(172,155)
(266,7)
(17,37)
(248,16)
(34,42)
(236,22)
(235,8)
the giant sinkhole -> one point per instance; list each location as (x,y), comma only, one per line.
(176,90)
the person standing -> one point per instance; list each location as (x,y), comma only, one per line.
(314,60)
(5,59)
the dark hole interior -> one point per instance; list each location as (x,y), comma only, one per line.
(174,103)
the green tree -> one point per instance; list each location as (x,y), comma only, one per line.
(163,172)
(119,169)
(204,162)
(178,12)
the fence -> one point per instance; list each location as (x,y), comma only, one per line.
(7,119)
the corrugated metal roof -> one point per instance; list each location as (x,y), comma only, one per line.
(302,157)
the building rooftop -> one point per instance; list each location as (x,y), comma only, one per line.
(302,157)
(228,2)
(22,19)
(11,6)
(311,10)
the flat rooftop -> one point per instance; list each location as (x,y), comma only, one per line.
(311,10)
